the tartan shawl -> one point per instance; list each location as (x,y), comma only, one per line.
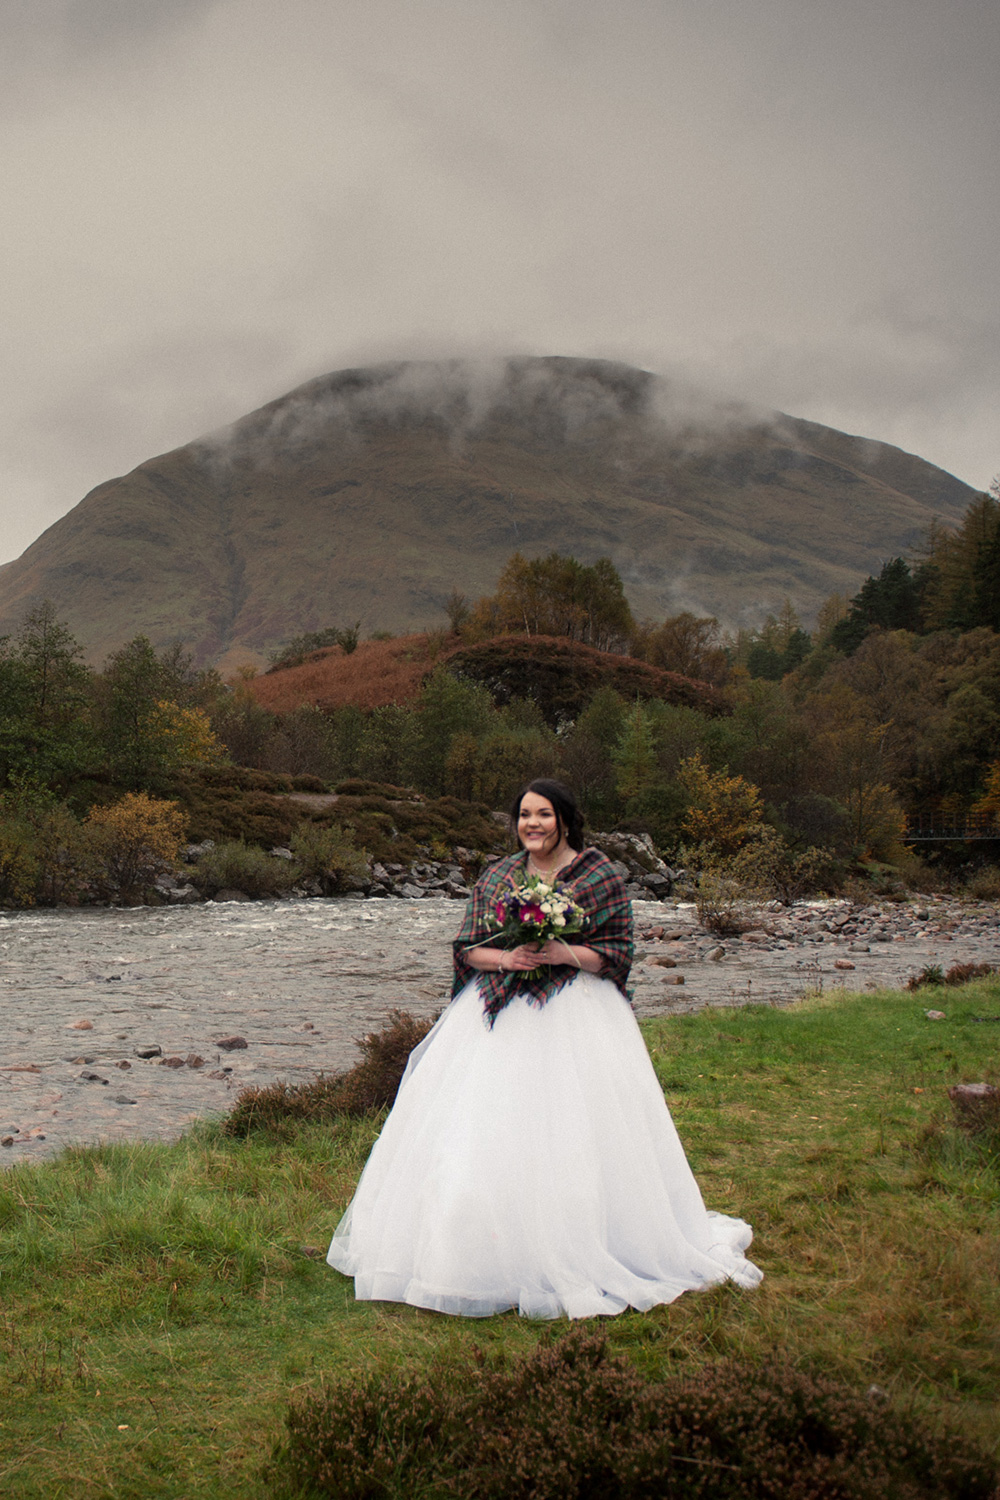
(607,928)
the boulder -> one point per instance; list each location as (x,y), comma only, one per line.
(183,895)
(193,852)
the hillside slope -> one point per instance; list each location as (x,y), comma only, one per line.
(371,494)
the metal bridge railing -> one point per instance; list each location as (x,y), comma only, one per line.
(960,827)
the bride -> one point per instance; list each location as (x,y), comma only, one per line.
(530,1160)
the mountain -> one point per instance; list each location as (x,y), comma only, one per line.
(371,494)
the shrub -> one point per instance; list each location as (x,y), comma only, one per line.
(723,902)
(237,804)
(732,887)
(132,841)
(19,866)
(308,784)
(64,854)
(570,1420)
(930,974)
(243,867)
(963,973)
(979,1117)
(330,856)
(984,885)
(933,974)
(767,865)
(367,1087)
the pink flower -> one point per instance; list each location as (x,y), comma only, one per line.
(532,913)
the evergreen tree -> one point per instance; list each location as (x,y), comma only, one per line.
(635,753)
(889,602)
(948,576)
(45,720)
(985,609)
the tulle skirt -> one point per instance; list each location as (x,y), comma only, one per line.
(536,1166)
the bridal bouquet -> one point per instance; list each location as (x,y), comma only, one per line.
(534,911)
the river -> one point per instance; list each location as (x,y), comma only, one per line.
(84,991)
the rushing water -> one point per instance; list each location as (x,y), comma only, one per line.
(298,980)
(83,992)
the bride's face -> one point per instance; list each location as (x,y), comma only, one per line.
(538,825)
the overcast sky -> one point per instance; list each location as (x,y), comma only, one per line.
(209,201)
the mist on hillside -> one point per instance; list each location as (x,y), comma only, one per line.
(553,400)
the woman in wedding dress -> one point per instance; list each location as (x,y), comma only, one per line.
(530,1160)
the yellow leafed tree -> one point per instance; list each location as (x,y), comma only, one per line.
(134,840)
(185,735)
(725,810)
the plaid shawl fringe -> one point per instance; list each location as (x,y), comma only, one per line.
(595,886)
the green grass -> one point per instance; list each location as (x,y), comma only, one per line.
(157,1311)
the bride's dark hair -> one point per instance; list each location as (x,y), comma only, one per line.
(563,805)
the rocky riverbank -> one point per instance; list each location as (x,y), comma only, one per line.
(129,1024)
(634,857)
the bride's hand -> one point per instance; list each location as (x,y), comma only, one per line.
(530,957)
(526,957)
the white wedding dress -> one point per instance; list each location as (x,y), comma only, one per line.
(536,1166)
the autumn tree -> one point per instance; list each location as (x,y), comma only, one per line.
(133,841)
(685,643)
(988,804)
(557,595)
(852,760)
(149,719)
(725,811)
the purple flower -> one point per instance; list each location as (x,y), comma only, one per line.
(532,913)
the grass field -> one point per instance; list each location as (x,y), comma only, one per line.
(157,1310)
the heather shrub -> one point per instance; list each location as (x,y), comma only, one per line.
(330,856)
(930,975)
(979,1117)
(369,1086)
(963,973)
(131,842)
(933,974)
(571,1420)
(244,867)
(562,676)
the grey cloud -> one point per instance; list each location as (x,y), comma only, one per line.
(210,201)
